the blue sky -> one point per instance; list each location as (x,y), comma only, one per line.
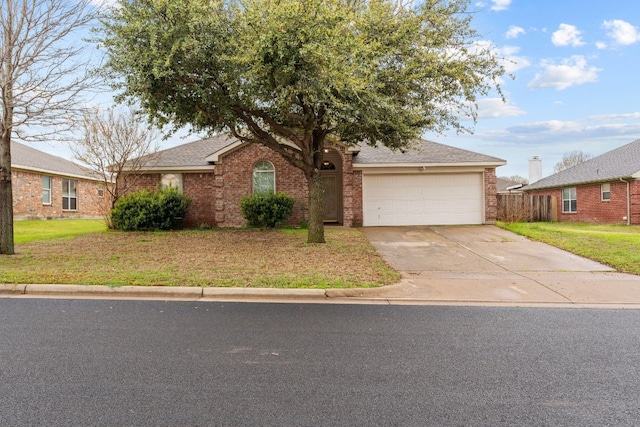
(576,87)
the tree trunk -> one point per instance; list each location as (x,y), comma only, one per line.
(6,196)
(316,208)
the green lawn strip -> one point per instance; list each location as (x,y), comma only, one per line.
(35,230)
(615,245)
(202,258)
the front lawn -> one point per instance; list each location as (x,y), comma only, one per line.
(30,231)
(615,245)
(225,258)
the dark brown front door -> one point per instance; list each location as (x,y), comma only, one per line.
(331,205)
(331,174)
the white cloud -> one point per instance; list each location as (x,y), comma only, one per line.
(554,130)
(567,35)
(514,32)
(622,116)
(495,108)
(601,45)
(622,32)
(510,61)
(571,71)
(499,5)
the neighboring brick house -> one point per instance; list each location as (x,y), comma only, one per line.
(46,186)
(428,184)
(605,189)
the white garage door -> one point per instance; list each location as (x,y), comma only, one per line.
(422,199)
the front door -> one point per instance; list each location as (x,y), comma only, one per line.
(330,184)
(331,175)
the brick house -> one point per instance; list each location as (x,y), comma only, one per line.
(605,189)
(429,184)
(46,186)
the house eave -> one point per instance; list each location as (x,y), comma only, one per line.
(56,173)
(585,182)
(185,169)
(216,157)
(482,165)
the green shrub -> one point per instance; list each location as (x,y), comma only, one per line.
(150,210)
(267,210)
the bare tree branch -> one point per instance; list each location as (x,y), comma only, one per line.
(112,141)
(43,70)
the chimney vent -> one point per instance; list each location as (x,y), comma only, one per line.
(535,169)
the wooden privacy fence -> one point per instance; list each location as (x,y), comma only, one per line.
(524,207)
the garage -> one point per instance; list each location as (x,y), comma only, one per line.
(422,199)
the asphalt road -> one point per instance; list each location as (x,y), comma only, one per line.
(143,363)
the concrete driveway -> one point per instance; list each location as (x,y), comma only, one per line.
(483,263)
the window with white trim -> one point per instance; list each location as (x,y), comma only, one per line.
(69,194)
(569,202)
(264,177)
(171,180)
(605,191)
(46,190)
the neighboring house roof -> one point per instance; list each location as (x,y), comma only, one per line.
(421,153)
(27,158)
(621,163)
(505,185)
(200,154)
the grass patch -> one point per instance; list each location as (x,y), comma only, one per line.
(615,245)
(34,230)
(204,258)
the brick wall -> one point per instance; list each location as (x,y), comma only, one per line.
(591,207)
(357,209)
(635,201)
(234,180)
(490,196)
(199,186)
(216,195)
(27,197)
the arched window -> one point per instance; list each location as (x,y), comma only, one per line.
(327,166)
(264,177)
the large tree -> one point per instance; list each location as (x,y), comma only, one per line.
(296,75)
(111,141)
(41,74)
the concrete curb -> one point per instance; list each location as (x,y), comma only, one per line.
(12,289)
(158,292)
(262,293)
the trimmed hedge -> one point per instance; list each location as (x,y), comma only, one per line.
(150,210)
(267,210)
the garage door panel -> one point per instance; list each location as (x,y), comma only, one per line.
(422,199)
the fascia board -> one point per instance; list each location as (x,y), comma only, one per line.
(56,173)
(185,169)
(427,165)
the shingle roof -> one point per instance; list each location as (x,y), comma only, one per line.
(422,152)
(25,157)
(194,154)
(189,155)
(623,162)
(505,184)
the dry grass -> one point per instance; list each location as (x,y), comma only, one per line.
(226,258)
